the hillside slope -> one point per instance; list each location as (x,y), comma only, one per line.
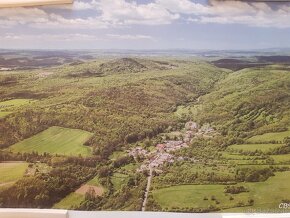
(253,99)
(117,108)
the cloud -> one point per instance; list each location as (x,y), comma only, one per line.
(101,14)
(80,5)
(48,37)
(183,6)
(130,37)
(123,12)
(256,14)
(71,37)
(21,16)
(105,13)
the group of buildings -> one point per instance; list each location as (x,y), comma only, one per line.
(163,152)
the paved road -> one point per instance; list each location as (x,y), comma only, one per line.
(147,189)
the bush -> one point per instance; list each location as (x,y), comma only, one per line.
(235,189)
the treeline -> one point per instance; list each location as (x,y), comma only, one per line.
(183,177)
(51,160)
(253,175)
(28,157)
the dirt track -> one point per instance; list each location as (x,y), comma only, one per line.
(85,188)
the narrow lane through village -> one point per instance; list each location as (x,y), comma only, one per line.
(147,189)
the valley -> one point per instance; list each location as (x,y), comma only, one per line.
(164,133)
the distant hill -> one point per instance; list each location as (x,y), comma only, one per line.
(132,65)
(236,64)
(256,61)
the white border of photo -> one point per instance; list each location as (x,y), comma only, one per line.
(43,213)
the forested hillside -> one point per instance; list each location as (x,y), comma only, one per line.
(250,101)
(117,108)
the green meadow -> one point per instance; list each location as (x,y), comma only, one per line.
(56,140)
(11,172)
(254,147)
(70,202)
(282,158)
(8,107)
(119,180)
(203,196)
(268,137)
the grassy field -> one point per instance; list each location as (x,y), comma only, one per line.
(94,181)
(268,137)
(229,156)
(11,172)
(282,158)
(254,147)
(119,180)
(193,195)
(56,140)
(70,202)
(130,168)
(279,187)
(7,107)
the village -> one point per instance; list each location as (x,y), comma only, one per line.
(164,153)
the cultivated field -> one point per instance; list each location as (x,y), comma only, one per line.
(56,140)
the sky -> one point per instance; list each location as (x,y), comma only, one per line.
(147,24)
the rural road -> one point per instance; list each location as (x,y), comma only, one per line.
(147,189)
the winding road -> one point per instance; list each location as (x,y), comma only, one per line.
(147,189)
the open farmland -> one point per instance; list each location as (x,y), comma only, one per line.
(204,196)
(282,158)
(8,107)
(268,137)
(254,147)
(56,140)
(195,196)
(11,171)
